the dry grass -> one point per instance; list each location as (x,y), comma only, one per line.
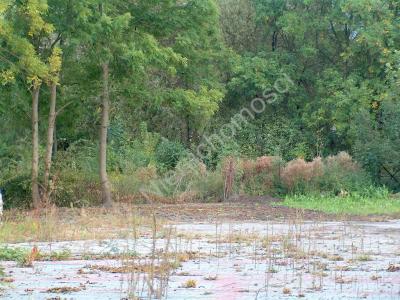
(190,284)
(65,290)
(343,161)
(292,253)
(72,224)
(301,171)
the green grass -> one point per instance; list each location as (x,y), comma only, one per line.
(377,202)
(13,254)
(22,256)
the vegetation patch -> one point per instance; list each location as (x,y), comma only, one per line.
(64,290)
(375,203)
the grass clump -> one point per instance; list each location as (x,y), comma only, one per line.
(190,284)
(373,201)
(12,254)
(23,257)
(60,255)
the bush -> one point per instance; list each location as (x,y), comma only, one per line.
(377,144)
(126,155)
(127,187)
(335,175)
(209,187)
(17,192)
(260,176)
(167,154)
(76,189)
(269,175)
(15,177)
(343,174)
(190,181)
(301,176)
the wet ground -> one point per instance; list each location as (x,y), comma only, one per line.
(230,260)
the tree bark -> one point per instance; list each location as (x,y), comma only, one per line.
(50,141)
(35,148)
(105,183)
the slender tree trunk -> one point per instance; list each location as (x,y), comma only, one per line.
(35,147)
(55,148)
(105,183)
(50,141)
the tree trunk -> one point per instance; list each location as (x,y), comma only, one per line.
(105,183)
(50,142)
(35,147)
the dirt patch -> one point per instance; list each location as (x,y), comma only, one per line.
(242,211)
(266,199)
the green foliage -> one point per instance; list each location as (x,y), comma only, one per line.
(209,187)
(60,255)
(373,201)
(17,192)
(126,155)
(189,181)
(76,189)
(13,254)
(168,153)
(278,137)
(14,175)
(377,144)
(180,71)
(334,175)
(342,175)
(22,256)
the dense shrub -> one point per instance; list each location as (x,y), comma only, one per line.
(302,176)
(335,175)
(128,187)
(189,181)
(210,187)
(377,144)
(260,176)
(17,192)
(343,174)
(15,177)
(76,189)
(168,153)
(270,175)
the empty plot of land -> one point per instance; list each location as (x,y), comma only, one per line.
(232,259)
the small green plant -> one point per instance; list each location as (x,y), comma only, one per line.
(61,255)
(272,270)
(364,258)
(23,257)
(12,254)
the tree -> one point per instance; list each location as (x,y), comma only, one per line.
(53,80)
(109,33)
(22,31)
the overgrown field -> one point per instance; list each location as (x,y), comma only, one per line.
(298,256)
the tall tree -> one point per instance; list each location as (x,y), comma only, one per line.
(121,50)
(23,31)
(54,63)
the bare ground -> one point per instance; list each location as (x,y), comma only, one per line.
(244,211)
(238,250)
